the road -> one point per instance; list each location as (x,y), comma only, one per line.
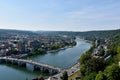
(70,72)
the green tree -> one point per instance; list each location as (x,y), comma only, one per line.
(111,52)
(112,72)
(118,49)
(100,76)
(83,70)
(84,58)
(95,65)
(41,51)
(91,76)
(65,76)
(54,46)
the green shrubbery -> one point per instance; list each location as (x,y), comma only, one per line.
(99,69)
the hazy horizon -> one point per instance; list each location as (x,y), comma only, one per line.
(60,15)
(59,30)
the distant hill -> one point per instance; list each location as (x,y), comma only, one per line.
(96,34)
(13,32)
(100,34)
(88,34)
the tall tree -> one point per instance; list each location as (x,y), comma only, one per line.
(112,72)
(100,76)
(65,76)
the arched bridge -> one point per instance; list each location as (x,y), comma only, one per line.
(36,65)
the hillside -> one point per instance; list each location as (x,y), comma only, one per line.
(14,32)
(102,61)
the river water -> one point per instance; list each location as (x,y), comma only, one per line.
(63,59)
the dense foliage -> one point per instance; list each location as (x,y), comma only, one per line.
(64,76)
(97,68)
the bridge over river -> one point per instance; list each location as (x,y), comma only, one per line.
(36,65)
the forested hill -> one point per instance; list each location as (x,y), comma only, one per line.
(88,34)
(13,32)
(102,61)
(100,34)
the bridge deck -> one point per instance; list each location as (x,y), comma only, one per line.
(31,62)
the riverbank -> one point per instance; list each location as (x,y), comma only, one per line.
(76,75)
(63,59)
(52,51)
(73,71)
(70,72)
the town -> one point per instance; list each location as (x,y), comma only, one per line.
(18,46)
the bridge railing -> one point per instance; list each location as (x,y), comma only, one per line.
(31,62)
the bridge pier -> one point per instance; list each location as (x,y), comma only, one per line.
(37,68)
(22,64)
(46,70)
(15,63)
(2,61)
(30,66)
(29,63)
(8,62)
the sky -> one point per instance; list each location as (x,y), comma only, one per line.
(60,15)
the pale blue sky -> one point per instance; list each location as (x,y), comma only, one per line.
(60,15)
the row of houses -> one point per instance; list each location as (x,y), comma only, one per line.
(100,48)
(26,44)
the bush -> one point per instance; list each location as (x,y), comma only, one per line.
(112,72)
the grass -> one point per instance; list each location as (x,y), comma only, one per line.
(74,75)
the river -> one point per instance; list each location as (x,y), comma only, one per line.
(63,59)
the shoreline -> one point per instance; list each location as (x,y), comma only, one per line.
(52,51)
(72,69)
